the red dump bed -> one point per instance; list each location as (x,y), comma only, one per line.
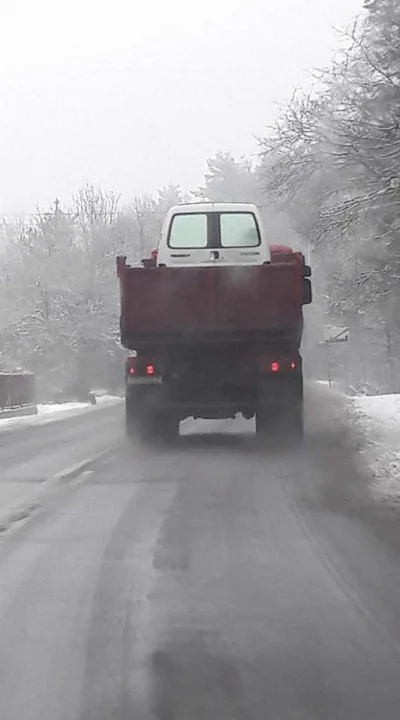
(210,302)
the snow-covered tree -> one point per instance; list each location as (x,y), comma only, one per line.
(230,180)
(332,163)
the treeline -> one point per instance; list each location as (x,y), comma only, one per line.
(332,163)
(327,180)
(59,313)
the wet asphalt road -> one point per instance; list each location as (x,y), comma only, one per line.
(209,580)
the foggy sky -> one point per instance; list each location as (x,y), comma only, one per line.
(134,94)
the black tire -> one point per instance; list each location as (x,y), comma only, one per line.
(293,414)
(131,423)
(284,425)
(148,426)
(165,427)
(294,423)
(298,425)
(261,422)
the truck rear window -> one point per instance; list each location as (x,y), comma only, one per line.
(193,231)
(188,231)
(239,230)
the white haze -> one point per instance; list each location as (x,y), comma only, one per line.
(134,94)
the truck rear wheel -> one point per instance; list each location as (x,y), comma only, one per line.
(149,426)
(294,421)
(136,423)
(261,422)
(130,418)
(282,424)
(165,427)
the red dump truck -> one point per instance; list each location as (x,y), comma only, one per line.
(214,321)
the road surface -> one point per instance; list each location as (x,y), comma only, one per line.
(208,580)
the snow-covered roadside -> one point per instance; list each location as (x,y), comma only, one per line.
(51,412)
(66,408)
(378,418)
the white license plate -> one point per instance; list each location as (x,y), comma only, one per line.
(144,380)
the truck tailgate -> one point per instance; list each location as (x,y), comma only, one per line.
(257,298)
(170,301)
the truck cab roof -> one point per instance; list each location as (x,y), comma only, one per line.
(208,234)
(196,207)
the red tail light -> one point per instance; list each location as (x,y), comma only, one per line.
(293,365)
(275,367)
(150,369)
(131,370)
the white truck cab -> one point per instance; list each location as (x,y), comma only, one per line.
(212,234)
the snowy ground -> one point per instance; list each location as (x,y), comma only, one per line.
(378,417)
(49,413)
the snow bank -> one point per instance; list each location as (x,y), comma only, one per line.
(62,407)
(382,408)
(107,400)
(379,417)
(51,412)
